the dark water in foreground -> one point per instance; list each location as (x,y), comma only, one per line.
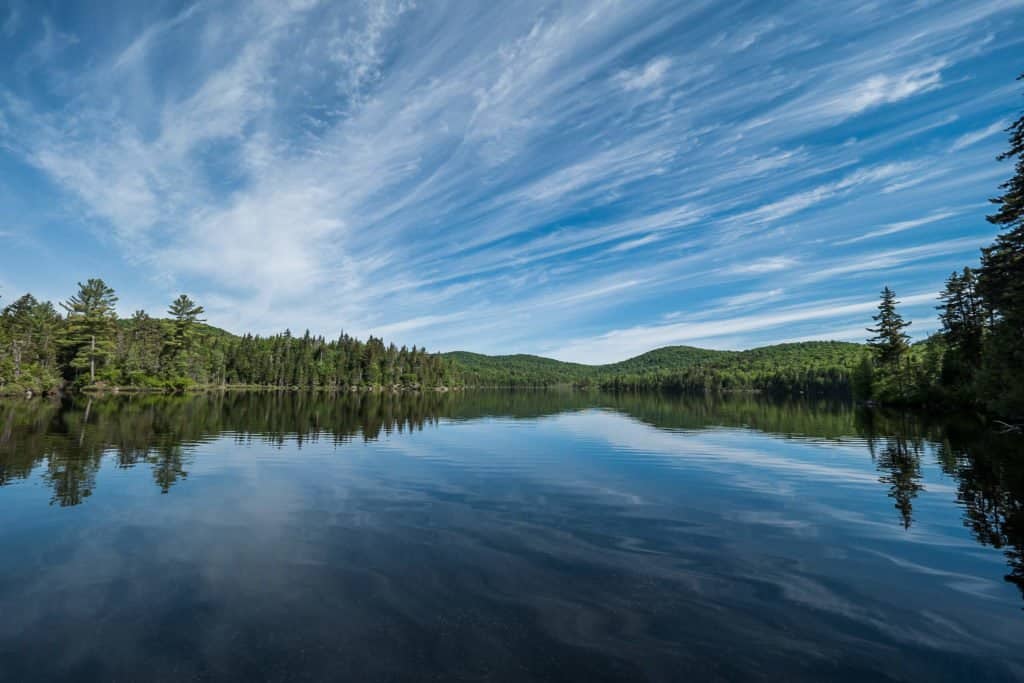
(503,537)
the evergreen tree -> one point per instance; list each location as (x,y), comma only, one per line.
(963,327)
(863,379)
(1001,285)
(88,339)
(889,346)
(185,316)
(29,329)
(144,341)
(961,315)
(890,342)
(1001,280)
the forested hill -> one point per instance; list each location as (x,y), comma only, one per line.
(89,346)
(516,370)
(805,367)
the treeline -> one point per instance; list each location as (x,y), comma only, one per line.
(42,351)
(519,370)
(807,368)
(976,360)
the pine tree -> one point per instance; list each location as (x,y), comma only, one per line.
(890,342)
(185,317)
(1001,280)
(30,330)
(961,314)
(963,327)
(88,337)
(144,342)
(889,346)
(1001,285)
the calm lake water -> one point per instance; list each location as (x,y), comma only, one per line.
(503,537)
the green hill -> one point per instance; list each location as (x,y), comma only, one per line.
(804,367)
(664,359)
(516,370)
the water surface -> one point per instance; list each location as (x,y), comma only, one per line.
(503,537)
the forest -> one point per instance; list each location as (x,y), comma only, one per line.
(89,347)
(976,360)
(806,368)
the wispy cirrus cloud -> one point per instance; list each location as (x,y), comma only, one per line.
(770,264)
(901,226)
(644,77)
(626,342)
(503,177)
(976,136)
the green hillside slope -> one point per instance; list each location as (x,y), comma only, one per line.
(805,367)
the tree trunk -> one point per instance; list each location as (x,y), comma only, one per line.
(92,361)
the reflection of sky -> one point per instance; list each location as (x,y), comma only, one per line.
(586,530)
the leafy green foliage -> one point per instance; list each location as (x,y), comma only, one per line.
(812,368)
(520,370)
(807,367)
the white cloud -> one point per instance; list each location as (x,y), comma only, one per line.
(886,89)
(890,260)
(749,298)
(625,343)
(529,169)
(645,77)
(900,226)
(770,264)
(976,136)
(801,201)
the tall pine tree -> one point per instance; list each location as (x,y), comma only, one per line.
(963,326)
(185,318)
(88,339)
(1001,285)
(890,342)
(889,346)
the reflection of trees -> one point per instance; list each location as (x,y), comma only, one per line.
(168,464)
(67,442)
(71,477)
(897,452)
(901,470)
(988,469)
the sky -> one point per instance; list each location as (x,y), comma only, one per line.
(584,180)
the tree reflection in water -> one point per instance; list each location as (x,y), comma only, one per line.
(69,441)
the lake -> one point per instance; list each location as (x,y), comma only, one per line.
(504,536)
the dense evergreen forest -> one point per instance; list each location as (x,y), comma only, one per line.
(976,360)
(42,351)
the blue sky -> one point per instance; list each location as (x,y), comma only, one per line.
(585,180)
